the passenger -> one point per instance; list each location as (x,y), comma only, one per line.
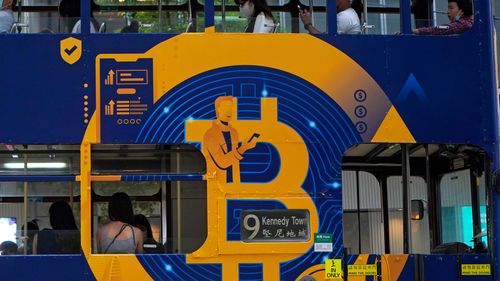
(8,248)
(64,237)
(70,11)
(258,13)
(28,237)
(6,16)
(132,28)
(119,236)
(347,19)
(460,16)
(150,245)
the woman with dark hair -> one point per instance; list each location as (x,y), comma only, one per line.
(258,13)
(64,237)
(119,236)
(150,245)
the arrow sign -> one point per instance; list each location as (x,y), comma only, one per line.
(412,85)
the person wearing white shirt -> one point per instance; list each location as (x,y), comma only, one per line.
(347,19)
(258,13)
(6,16)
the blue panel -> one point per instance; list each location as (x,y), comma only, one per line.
(35,178)
(440,268)
(68,267)
(174,268)
(251,272)
(234,208)
(408,273)
(179,177)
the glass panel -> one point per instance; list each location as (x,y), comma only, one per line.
(146,159)
(147,219)
(370,221)
(456,211)
(39,159)
(132,188)
(182,230)
(52,227)
(143,22)
(16,189)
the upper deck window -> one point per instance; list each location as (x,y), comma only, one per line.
(378,17)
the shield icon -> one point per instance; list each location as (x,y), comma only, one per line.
(71,50)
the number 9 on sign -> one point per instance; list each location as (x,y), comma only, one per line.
(254,227)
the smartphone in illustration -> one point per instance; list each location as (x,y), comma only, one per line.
(255,135)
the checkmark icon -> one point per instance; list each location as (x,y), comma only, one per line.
(70,51)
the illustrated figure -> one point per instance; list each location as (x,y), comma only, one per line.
(220,144)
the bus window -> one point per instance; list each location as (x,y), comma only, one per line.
(368,216)
(40,208)
(456,208)
(419,228)
(146,16)
(108,16)
(165,187)
(448,179)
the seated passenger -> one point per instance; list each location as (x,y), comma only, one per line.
(8,248)
(460,16)
(119,236)
(64,237)
(28,237)
(70,11)
(347,19)
(6,16)
(258,13)
(150,245)
(133,27)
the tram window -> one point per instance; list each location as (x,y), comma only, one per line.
(177,214)
(455,207)
(419,228)
(146,159)
(54,163)
(370,213)
(176,209)
(53,221)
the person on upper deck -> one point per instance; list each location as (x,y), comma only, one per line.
(6,16)
(461,19)
(120,236)
(347,19)
(258,13)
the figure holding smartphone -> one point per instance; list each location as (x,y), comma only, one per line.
(220,144)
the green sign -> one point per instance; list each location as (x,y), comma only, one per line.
(323,238)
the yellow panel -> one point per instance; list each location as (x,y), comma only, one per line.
(393,129)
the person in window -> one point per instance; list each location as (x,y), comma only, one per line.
(347,19)
(64,237)
(150,245)
(120,236)
(29,237)
(70,11)
(258,13)
(8,248)
(460,16)
(6,16)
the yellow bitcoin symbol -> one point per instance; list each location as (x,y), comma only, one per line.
(285,188)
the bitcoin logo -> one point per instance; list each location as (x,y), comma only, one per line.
(295,162)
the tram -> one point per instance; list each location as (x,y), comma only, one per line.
(281,156)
